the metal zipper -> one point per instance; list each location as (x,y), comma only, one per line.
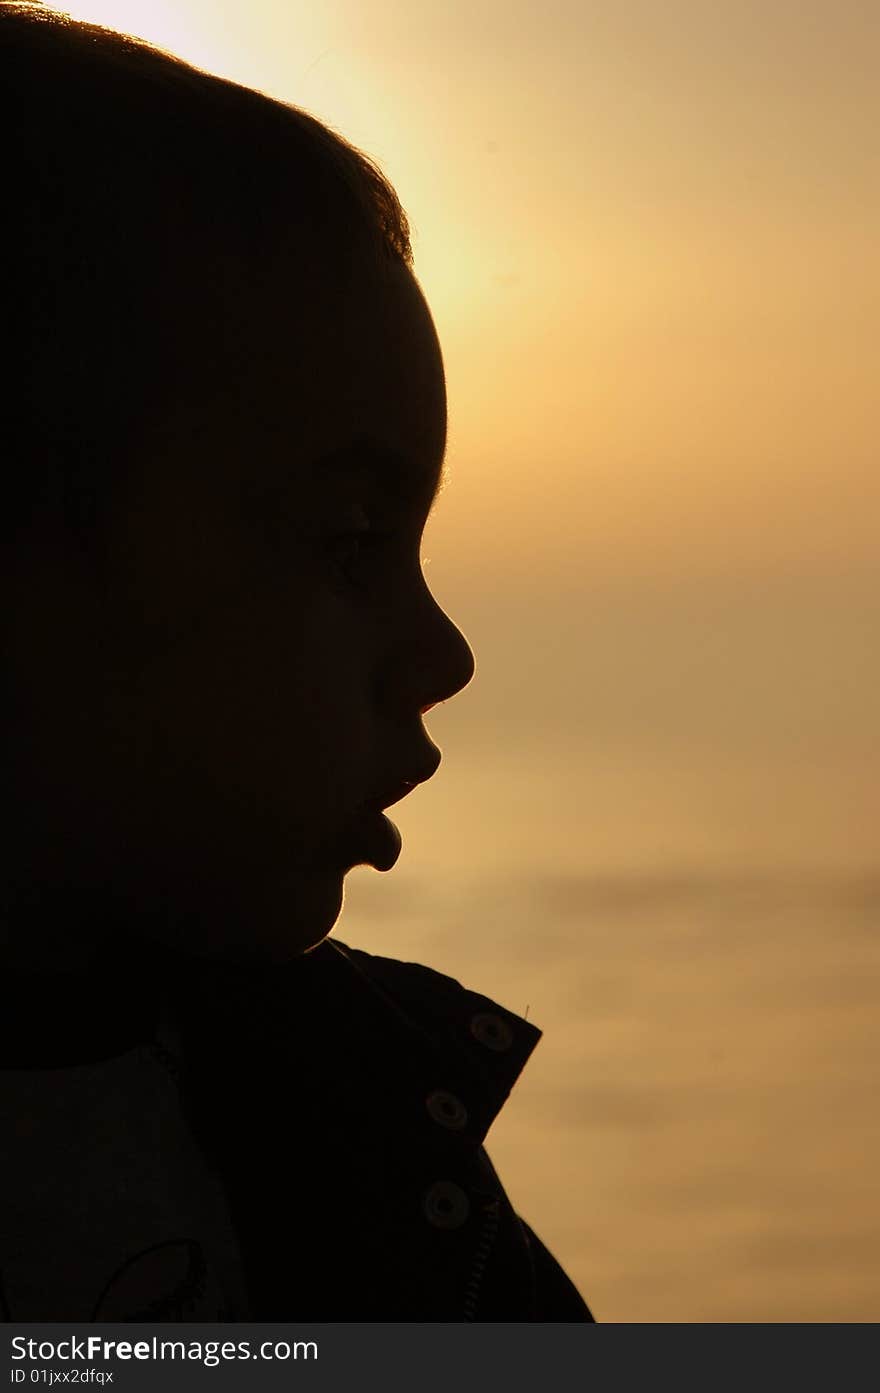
(489,1233)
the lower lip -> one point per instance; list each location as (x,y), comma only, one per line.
(382,841)
(373,841)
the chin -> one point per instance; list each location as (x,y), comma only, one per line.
(298,918)
(270,920)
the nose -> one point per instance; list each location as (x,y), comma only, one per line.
(435,664)
(455,663)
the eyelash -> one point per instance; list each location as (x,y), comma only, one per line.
(368,539)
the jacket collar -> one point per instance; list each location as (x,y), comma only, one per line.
(462,1041)
(372,1039)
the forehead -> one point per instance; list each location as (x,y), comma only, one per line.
(287,416)
(350,390)
(295,405)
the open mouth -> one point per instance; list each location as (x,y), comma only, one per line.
(391,795)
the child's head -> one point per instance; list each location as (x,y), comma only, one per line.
(224,368)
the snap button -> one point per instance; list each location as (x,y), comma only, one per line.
(446,1109)
(491,1031)
(446,1205)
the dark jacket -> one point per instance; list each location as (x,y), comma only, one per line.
(346,1114)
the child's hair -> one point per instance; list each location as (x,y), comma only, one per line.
(136,186)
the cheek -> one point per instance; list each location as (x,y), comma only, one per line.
(273,714)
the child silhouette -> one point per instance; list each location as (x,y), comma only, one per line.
(225,426)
